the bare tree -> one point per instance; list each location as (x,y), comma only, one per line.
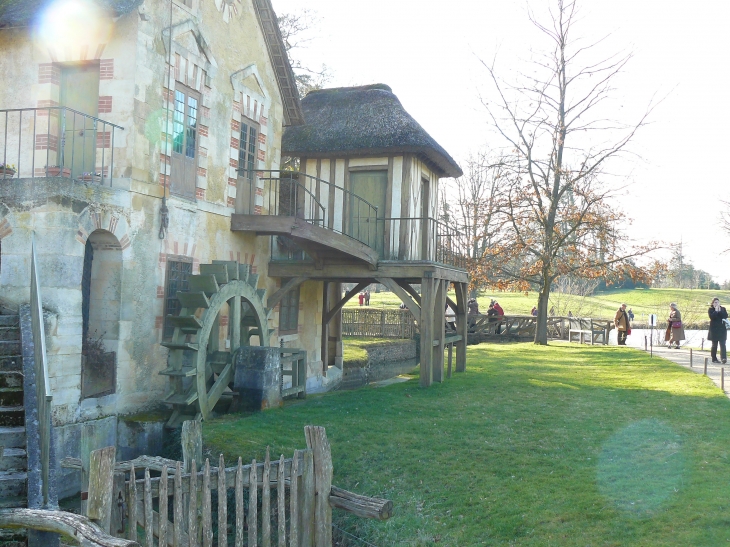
(470,204)
(296,31)
(557,204)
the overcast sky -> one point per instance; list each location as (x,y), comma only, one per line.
(429,52)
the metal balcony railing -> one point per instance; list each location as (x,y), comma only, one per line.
(56,141)
(321,203)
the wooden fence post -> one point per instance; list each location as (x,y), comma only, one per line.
(118,495)
(101,483)
(705,373)
(306,497)
(322,459)
(192,443)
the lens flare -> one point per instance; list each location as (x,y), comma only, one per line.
(641,467)
(73,30)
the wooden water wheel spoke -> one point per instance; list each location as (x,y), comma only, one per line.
(198,381)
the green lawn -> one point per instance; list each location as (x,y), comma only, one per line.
(562,445)
(692,303)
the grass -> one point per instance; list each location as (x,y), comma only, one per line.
(693,303)
(563,445)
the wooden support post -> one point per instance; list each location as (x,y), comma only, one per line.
(132,505)
(101,483)
(439,329)
(425,324)
(324,342)
(192,443)
(451,351)
(462,326)
(322,459)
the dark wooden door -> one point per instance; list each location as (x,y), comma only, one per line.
(79,91)
(185,142)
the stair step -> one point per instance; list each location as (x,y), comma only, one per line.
(11,396)
(11,363)
(12,415)
(9,320)
(13,502)
(14,459)
(9,347)
(13,484)
(11,379)
(9,333)
(12,436)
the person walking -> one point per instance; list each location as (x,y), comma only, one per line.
(631,315)
(367,297)
(717,332)
(623,324)
(675,329)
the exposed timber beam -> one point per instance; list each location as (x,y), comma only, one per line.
(275,298)
(338,306)
(403,295)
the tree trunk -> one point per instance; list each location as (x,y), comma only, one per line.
(542,315)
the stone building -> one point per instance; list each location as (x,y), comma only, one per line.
(125,126)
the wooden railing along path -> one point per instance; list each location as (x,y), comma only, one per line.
(397,323)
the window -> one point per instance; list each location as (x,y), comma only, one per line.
(247,149)
(289,311)
(178,273)
(184,142)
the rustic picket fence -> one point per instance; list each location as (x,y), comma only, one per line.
(284,503)
(381,323)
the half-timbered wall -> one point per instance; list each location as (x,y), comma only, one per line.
(404,200)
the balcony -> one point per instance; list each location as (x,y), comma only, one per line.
(56,142)
(312,220)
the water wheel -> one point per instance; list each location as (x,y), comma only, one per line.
(199,371)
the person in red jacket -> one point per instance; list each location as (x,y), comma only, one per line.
(500,315)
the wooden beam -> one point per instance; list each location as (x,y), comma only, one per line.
(462,325)
(61,522)
(416,310)
(275,298)
(428,288)
(409,288)
(304,233)
(350,272)
(338,306)
(101,484)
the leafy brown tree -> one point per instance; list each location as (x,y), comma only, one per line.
(559,208)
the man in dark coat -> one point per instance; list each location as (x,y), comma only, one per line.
(623,324)
(717,332)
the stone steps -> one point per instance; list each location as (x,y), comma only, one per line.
(11,363)
(9,320)
(9,347)
(14,461)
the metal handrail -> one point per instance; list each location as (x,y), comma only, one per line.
(43,387)
(45,129)
(362,217)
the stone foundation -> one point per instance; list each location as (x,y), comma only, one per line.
(384,361)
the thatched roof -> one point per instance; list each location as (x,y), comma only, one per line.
(364,120)
(20,13)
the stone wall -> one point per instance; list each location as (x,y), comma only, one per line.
(383,361)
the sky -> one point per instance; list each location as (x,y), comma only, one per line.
(430,53)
